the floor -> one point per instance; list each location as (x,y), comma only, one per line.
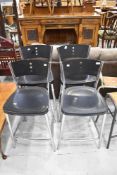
(73,158)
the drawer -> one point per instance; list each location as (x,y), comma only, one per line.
(60,21)
(29,22)
(60,26)
(91,21)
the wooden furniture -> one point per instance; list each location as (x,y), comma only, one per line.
(108,84)
(60,29)
(108,32)
(15,11)
(108,79)
(105,4)
(10,22)
(6,89)
(48,4)
(52,4)
(2,26)
(7,54)
(64,26)
(8,12)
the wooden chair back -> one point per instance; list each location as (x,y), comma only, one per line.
(7,54)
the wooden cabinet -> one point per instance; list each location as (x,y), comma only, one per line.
(59,29)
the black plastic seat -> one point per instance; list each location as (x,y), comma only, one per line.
(30,100)
(80,72)
(81,100)
(23,73)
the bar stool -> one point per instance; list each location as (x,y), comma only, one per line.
(81,101)
(30,100)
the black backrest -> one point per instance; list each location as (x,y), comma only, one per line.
(30,67)
(73,51)
(36,51)
(76,69)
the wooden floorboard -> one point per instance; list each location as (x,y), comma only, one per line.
(6,89)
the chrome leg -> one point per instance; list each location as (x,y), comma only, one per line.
(52,123)
(61,130)
(55,103)
(50,133)
(52,110)
(60,116)
(60,97)
(3,155)
(101,132)
(10,129)
(59,103)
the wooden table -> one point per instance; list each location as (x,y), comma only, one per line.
(6,89)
